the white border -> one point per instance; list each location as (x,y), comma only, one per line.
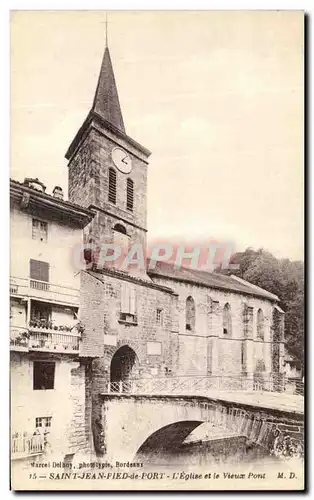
(5,7)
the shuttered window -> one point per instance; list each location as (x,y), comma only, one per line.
(121,240)
(128,300)
(129,194)
(39,270)
(112,190)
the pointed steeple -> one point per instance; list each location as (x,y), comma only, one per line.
(105,114)
(106,101)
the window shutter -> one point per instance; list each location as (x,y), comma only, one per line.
(112,192)
(129,194)
(124,298)
(132,301)
(39,270)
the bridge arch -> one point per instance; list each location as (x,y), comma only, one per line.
(133,424)
(167,439)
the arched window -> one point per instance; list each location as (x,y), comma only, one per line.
(121,239)
(119,228)
(129,194)
(226,320)
(260,324)
(112,190)
(190,314)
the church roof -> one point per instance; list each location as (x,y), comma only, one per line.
(106,101)
(207,279)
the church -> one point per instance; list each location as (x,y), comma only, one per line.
(135,327)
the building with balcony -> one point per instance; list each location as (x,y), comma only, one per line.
(45,330)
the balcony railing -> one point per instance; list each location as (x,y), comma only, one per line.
(52,341)
(19,338)
(44,339)
(39,285)
(24,445)
(27,287)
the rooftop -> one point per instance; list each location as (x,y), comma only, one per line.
(35,200)
(210,280)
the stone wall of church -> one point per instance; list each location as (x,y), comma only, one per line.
(103,233)
(105,331)
(203,351)
(155,345)
(207,349)
(83,175)
(102,147)
(89,184)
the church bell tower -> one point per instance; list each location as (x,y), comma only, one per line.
(107,169)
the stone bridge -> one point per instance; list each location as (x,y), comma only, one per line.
(126,426)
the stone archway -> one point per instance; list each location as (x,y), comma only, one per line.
(123,364)
(164,444)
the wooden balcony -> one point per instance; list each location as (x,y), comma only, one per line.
(44,340)
(24,445)
(43,290)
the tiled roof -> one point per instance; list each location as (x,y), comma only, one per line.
(47,196)
(210,280)
(36,201)
(101,274)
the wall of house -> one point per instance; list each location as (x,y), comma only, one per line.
(58,251)
(61,316)
(18,312)
(65,403)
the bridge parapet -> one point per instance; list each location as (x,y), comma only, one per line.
(186,385)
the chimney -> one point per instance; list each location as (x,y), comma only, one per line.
(57,192)
(35,184)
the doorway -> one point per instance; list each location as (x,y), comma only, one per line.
(122,365)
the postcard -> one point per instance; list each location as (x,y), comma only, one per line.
(156,276)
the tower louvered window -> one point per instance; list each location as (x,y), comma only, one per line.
(112,192)
(129,194)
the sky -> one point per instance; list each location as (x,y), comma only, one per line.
(217,96)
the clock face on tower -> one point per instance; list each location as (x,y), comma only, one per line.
(122,160)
